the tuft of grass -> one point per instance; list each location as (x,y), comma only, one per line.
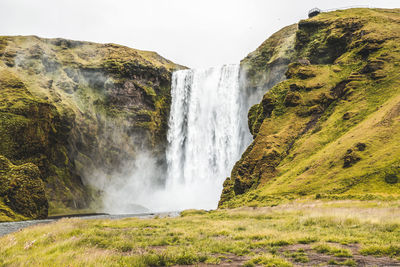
(307,240)
(333,250)
(349,262)
(298,256)
(268,260)
(381,250)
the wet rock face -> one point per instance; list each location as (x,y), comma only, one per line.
(73,107)
(127,95)
(32,131)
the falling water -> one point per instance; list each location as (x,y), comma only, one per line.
(206,134)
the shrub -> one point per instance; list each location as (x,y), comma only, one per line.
(391,178)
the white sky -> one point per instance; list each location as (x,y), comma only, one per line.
(195,33)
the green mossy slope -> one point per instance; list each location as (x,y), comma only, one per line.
(332,128)
(68,107)
(22,192)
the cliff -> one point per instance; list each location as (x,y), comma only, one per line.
(67,108)
(331,128)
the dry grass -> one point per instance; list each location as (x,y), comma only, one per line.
(301,233)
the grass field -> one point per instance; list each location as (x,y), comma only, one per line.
(308,233)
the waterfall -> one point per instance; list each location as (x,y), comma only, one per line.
(206,134)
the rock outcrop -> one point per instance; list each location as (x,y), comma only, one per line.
(68,107)
(341,90)
(22,190)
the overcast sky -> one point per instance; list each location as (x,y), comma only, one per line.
(195,33)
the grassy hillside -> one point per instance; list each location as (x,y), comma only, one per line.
(68,107)
(332,128)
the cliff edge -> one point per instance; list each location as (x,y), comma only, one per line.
(331,129)
(69,108)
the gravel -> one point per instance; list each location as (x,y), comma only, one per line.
(10,227)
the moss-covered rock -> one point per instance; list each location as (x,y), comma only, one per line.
(266,66)
(331,128)
(72,107)
(22,190)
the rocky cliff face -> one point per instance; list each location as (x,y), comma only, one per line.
(331,129)
(67,108)
(266,66)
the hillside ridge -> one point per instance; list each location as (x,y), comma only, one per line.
(331,128)
(76,111)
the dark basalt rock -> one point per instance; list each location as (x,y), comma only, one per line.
(350,158)
(372,66)
(316,109)
(292,99)
(296,87)
(361,146)
(268,105)
(369,48)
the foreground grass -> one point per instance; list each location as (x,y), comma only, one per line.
(306,233)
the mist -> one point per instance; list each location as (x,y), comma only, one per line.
(207,133)
(205,138)
(198,34)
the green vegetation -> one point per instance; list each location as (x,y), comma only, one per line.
(22,191)
(379,251)
(332,250)
(6,214)
(312,233)
(267,260)
(267,64)
(68,107)
(298,256)
(331,129)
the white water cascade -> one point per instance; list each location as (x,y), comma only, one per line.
(206,134)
